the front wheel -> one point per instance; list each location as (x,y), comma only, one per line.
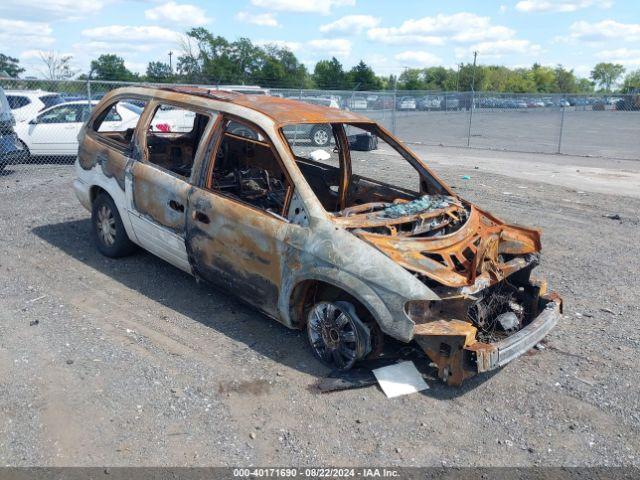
(108,231)
(321,136)
(337,336)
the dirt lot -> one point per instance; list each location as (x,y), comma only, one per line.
(131,362)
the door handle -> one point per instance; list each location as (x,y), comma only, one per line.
(201,217)
(178,207)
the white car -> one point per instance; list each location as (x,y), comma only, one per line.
(357,102)
(26,103)
(407,103)
(54,131)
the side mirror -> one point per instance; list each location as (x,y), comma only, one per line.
(33,121)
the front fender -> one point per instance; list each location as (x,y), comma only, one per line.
(387,308)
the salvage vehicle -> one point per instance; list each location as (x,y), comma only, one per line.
(354,245)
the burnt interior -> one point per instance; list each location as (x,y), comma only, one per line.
(175,151)
(247,169)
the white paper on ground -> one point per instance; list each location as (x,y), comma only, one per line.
(400,379)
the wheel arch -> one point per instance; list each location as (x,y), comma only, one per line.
(325,280)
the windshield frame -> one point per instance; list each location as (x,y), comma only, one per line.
(429,181)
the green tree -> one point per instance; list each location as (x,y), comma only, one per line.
(329,74)
(10,66)
(566,81)
(362,77)
(631,82)
(111,67)
(607,74)
(159,72)
(411,79)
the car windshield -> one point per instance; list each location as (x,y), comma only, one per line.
(356,164)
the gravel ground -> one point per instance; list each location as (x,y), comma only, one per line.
(131,362)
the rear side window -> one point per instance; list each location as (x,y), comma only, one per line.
(51,100)
(17,101)
(117,121)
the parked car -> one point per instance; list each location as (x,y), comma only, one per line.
(429,102)
(357,102)
(308,240)
(54,131)
(10,147)
(450,102)
(407,103)
(383,102)
(26,103)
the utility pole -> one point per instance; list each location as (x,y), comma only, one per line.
(170,64)
(473,96)
(458,78)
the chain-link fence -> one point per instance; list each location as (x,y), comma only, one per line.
(49,114)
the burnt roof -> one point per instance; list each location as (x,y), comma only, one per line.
(280,110)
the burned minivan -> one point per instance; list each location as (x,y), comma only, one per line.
(354,242)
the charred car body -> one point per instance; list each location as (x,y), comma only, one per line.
(353,243)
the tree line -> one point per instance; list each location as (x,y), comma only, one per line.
(206,58)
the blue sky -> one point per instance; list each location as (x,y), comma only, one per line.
(389,35)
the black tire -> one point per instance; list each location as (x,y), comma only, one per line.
(321,135)
(107,229)
(336,335)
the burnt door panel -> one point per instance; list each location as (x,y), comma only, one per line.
(236,247)
(157,210)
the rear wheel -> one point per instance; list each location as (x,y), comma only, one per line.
(321,136)
(337,336)
(108,231)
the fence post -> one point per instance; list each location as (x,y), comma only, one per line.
(561,130)
(393,114)
(473,101)
(89,94)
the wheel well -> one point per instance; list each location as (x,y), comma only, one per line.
(95,191)
(308,292)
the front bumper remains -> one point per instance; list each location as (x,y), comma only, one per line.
(452,344)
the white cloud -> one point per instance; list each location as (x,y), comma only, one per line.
(503,9)
(132,35)
(583,31)
(330,47)
(21,33)
(180,13)
(499,48)
(418,58)
(292,46)
(460,27)
(351,24)
(262,19)
(323,7)
(623,56)
(530,6)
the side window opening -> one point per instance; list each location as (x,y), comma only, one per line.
(173,138)
(62,114)
(246,168)
(320,165)
(118,121)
